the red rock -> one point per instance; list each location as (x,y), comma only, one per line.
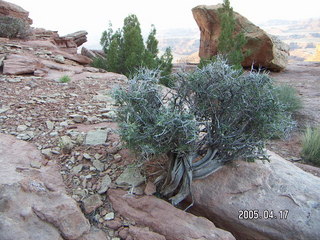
(144,234)
(64,214)
(94,234)
(162,218)
(274,186)
(13,10)
(150,189)
(33,202)
(91,203)
(19,64)
(114,224)
(123,233)
(265,50)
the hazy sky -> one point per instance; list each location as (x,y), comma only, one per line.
(68,16)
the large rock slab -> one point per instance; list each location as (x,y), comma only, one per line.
(33,201)
(162,218)
(265,50)
(19,64)
(277,187)
(13,10)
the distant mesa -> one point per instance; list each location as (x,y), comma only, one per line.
(267,51)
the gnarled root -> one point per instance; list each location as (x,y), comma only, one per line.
(183,170)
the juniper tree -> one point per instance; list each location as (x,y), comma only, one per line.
(125,50)
(212,116)
(229,44)
(133,47)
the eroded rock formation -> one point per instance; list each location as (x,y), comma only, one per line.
(273,189)
(33,201)
(13,10)
(164,219)
(265,50)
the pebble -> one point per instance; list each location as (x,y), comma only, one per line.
(98,165)
(92,203)
(66,144)
(50,125)
(109,216)
(105,183)
(59,59)
(64,124)
(54,134)
(35,164)
(78,118)
(87,156)
(22,128)
(77,169)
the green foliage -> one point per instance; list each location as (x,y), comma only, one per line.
(126,51)
(288,96)
(64,79)
(12,27)
(165,66)
(146,124)
(217,110)
(99,62)
(229,44)
(133,47)
(311,145)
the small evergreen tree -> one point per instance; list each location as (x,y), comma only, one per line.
(151,59)
(126,52)
(166,68)
(229,45)
(133,47)
(114,54)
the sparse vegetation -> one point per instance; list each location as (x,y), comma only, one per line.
(213,116)
(64,79)
(126,52)
(289,97)
(12,27)
(311,145)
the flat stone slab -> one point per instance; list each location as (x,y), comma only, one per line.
(96,137)
(131,176)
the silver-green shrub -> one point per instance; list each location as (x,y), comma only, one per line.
(12,27)
(211,117)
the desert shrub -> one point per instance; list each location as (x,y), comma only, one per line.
(12,27)
(311,145)
(289,98)
(212,116)
(64,79)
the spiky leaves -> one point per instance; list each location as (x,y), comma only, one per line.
(214,115)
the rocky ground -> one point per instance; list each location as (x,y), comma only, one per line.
(72,126)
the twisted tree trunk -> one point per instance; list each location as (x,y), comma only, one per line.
(182,170)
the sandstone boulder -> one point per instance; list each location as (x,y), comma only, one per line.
(12,10)
(33,201)
(265,50)
(164,219)
(276,188)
